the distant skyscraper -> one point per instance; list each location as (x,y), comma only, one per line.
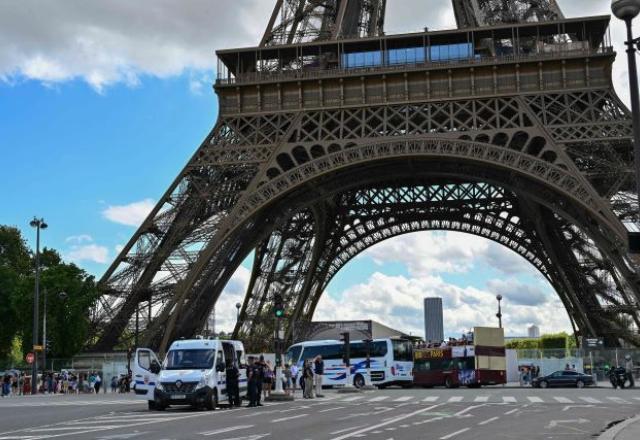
(534,331)
(433,324)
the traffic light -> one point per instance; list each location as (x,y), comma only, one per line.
(278,306)
(346,351)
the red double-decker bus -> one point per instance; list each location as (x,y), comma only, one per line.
(480,361)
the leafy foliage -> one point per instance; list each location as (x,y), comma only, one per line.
(67,314)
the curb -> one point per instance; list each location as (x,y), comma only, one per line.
(611,433)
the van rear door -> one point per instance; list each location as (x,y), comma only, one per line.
(144,380)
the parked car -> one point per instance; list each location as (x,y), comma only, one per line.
(563,379)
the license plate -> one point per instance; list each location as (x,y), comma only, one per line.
(178,396)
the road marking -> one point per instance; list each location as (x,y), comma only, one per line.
(346,429)
(481,399)
(289,418)
(509,399)
(618,400)
(403,399)
(430,399)
(351,399)
(453,434)
(229,429)
(555,423)
(534,399)
(469,408)
(456,399)
(378,398)
(492,419)
(388,422)
(332,409)
(563,400)
(590,400)
(511,412)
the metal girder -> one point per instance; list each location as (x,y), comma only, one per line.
(477,13)
(299,21)
(311,170)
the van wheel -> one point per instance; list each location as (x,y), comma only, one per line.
(448,383)
(358,381)
(212,401)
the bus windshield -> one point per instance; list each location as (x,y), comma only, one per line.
(402,350)
(189,359)
(292,355)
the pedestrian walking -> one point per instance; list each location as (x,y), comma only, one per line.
(97,382)
(252,379)
(114,384)
(628,367)
(260,365)
(294,377)
(268,379)
(6,385)
(318,373)
(307,374)
(286,379)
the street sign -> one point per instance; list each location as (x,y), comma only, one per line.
(30,357)
(592,342)
(38,347)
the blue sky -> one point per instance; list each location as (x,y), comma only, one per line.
(102,104)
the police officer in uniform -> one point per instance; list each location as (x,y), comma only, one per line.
(252,383)
(233,387)
(260,365)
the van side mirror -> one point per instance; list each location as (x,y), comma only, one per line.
(155,367)
(220,368)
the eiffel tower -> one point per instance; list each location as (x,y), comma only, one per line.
(333,136)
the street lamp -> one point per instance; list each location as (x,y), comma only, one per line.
(499,314)
(39,224)
(238,306)
(627,10)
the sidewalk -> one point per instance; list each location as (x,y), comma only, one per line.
(626,430)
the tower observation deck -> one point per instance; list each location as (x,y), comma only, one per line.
(333,136)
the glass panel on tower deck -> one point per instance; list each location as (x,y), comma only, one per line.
(570,37)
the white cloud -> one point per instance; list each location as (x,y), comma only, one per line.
(132,214)
(90,252)
(518,293)
(233,293)
(79,239)
(398,302)
(119,41)
(445,251)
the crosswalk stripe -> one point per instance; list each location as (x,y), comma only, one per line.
(351,399)
(636,398)
(509,399)
(563,400)
(456,399)
(481,399)
(403,399)
(590,400)
(378,398)
(430,399)
(535,399)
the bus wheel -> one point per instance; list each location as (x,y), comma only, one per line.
(448,383)
(358,381)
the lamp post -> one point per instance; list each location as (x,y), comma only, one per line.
(499,314)
(238,306)
(627,10)
(39,224)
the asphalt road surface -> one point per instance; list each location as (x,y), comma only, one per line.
(459,414)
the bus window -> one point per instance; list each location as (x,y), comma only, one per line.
(402,350)
(422,366)
(293,355)
(379,349)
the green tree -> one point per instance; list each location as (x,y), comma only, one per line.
(14,266)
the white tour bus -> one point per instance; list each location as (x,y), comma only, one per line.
(391,361)
(193,373)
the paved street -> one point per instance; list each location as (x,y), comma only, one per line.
(486,413)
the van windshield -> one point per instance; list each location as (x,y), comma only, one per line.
(189,359)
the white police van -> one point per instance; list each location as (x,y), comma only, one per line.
(193,373)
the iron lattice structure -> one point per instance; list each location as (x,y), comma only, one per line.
(328,143)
